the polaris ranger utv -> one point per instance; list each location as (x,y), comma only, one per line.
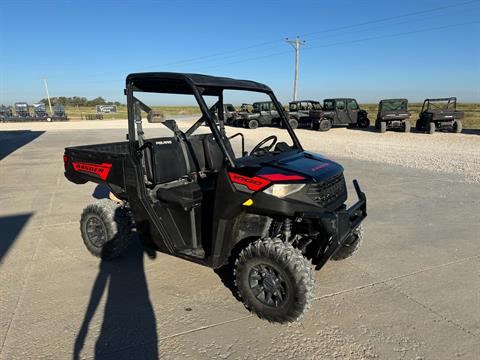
(263,113)
(440,114)
(269,212)
(59,113)
(302,112)
(340,111)
(393,114)
(40,112)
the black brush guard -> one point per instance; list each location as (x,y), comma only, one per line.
(339,225)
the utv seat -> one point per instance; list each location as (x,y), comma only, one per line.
(213,154)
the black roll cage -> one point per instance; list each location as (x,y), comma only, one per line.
(449,100)
(135,124)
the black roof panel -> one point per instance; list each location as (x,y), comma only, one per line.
(181,83)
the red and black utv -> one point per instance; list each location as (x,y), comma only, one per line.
(269,213)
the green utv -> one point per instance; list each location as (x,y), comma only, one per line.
(339,111)
(393,114)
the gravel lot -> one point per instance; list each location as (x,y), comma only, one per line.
(442,152)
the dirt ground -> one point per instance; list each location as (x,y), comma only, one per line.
(411,291)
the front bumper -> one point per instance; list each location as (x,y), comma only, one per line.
(338,225)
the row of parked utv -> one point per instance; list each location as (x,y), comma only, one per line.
(23,113)
(436,114)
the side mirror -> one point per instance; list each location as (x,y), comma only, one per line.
(155,117)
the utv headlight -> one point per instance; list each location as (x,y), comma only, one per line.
(282,190)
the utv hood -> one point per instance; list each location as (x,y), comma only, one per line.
(302,166)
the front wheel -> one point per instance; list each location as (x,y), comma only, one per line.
(106,229)
(406,126)
(383,126)
(431,127)
(363,122)
(252,124)
(274,280)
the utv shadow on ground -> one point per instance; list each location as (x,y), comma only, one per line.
(11,226)
(11,141)
(129,327)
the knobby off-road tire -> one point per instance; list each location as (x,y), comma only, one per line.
(252,124)
(457,126)
(350,246)
(324,125)
(407,126)
(363,123)
(106,229)
(431,127)
(274,280)
(383,126)
(293,123)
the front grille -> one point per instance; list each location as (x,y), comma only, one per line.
(328,191)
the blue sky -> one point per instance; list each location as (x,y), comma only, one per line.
(364,49)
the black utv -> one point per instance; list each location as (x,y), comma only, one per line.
(340,111)
(5,112)
(393,114)
(40,112)
(302,110)
(266,214)
(22,111)
(263,113)
(59,113)
(440,114)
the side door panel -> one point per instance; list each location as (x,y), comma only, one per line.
(342,117)
(352,109)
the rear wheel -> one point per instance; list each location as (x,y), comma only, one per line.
(324,125)
(363,122)
(457,126)
(106,229)
(406,126)
(293,123)
(253,124)
(274,280)
(383,126)
(431,127)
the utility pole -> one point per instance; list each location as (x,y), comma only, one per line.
(296,43)
(48,95)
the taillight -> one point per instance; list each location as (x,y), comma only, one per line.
(65,161)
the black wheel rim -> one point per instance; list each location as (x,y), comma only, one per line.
(268,285)
(96,231)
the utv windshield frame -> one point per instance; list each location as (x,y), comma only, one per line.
(198,86)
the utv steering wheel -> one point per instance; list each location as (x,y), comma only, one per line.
(258,148)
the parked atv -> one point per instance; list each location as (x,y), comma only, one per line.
(40,112)
(5,112)
(263,114)
(301,111)
(268,213)
(22,112)
(393,114)
(340,111)
(440,114)
(59,113)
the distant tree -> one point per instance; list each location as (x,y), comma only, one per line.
(78,101)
